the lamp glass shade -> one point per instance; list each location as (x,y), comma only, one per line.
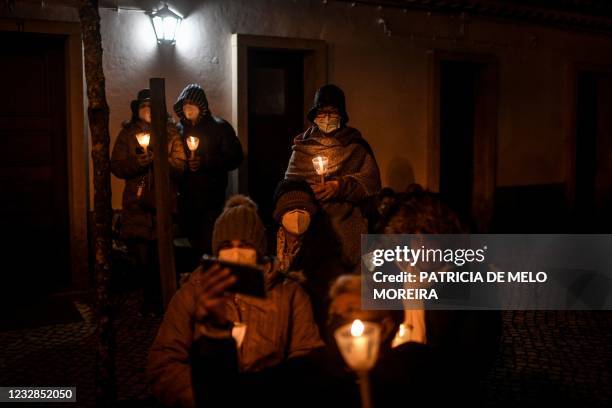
(166,24)
(358,343)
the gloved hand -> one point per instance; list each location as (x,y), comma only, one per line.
(194,164)
(326,191)
(210,296)
(144,159)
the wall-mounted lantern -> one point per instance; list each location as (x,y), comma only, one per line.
(166,24)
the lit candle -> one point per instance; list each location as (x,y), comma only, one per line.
(193,143)
(143,140)
(320,164)
(359,343)
(402,336)
(359,350)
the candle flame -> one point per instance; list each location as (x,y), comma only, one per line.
(357,328)
(402,330)
(143,139)
(192,143)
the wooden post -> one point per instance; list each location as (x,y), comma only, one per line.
(161,171)
(98,113)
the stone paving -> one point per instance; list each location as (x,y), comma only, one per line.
(64,354)
(544,357)
(553,356)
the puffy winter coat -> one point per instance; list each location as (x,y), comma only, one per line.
(138,210)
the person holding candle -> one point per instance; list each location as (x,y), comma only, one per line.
(260,333)
(339,165)
(213,150)
(306,245)
(464,341)
(320,378)
(131,160)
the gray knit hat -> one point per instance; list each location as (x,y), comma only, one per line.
(292,194)
(239,220)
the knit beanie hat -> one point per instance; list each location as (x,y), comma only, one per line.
(239,220)
(292,194)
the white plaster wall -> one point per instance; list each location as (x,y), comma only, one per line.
(385,78)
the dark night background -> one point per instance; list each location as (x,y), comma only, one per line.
(504,107)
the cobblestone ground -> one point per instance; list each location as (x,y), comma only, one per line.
(553,356)
(544,357)
(64,354)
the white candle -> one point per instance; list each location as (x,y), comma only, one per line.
(359,342)
(359,351)
(320,164)
(193,143)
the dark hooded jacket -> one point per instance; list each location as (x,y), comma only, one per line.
(219,151)
(138,212)
(352,164)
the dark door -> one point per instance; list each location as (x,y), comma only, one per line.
(33,176)
(276,116)
(593,152)
(457,106)
(468,134)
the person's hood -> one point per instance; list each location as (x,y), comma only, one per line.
(329,95)
(194,93)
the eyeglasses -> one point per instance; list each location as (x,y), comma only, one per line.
(327,112)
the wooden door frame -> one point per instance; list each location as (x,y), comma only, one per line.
(485,132)
(315,75)
(77,140)
(572,68)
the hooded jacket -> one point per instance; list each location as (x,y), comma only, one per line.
(219,151)
(352,164)
(138,212)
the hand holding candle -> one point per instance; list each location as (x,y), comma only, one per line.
(359,343)
(192,144)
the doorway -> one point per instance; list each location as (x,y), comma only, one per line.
(34,211)
(274,83)
(463,134)
(590,152)
(276,116)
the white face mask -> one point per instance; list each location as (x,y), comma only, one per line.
(192,112)
(246,256)
(144,114)
(327,124)
(296,222)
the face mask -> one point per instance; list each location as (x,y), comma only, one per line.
(246,256)
(144,114)
(192,112)
(296,222)
(327,124)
